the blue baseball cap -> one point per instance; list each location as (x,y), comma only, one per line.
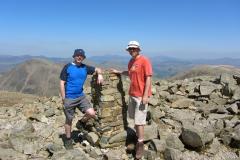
(79,52)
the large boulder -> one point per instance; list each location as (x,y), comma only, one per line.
(183,103)
(195,137)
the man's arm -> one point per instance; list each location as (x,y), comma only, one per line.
(62,89)
(99,73)
(125,73)
(98,70)
(146,89)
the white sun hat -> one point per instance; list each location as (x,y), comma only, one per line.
(133,44)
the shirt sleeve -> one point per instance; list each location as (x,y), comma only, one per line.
(147,68)
(90,69)
(64,74)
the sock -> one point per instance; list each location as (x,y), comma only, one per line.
(140,140)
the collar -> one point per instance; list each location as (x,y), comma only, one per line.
(76,64)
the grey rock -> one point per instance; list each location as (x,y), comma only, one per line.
(227,90)
(172,154)
(173,89)
(103,142)
(222,109)
(231,123)
(164,94)
(109,91)
(226,154)
(157,145)
(94,152)
(217,127)
(92,138)
(75,154)
(181,115)
(233,108)
(150,155)
(206,88)
(49,112)
(192,88)
(150,132)
(227,78)
(120,137)
(53,147)
(182,103)
(172,98)
(225,137)
(236,93)
(10,154)
(195,137)
(25,144)
(107,98)
(31,148)
(114,155)
(215,98)
(237,78)
(175,124)
(22,127)
(214,147)
(156,113)
(153,101)
(236,138)
(219,116)
(193,155)
(44,130)
(174,142)
(206,109)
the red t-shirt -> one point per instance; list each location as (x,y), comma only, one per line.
(138,70)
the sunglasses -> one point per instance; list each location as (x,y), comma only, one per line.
(132,49)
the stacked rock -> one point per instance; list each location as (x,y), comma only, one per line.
(109,102)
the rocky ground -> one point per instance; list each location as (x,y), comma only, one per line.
(189,119)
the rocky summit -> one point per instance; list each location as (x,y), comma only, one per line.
(190,119)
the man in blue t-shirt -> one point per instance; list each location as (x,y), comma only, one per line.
(72,78)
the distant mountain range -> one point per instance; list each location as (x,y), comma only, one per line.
(41,76)
(206,70)
(163,66)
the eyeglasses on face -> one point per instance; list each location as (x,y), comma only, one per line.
(132,49)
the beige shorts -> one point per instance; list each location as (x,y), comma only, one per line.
(137,110)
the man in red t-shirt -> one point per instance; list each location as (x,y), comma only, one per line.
(140,74)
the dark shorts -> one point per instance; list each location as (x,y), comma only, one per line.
(70,105)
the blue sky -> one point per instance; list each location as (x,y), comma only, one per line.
(175,28)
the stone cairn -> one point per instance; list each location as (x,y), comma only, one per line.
(109,102)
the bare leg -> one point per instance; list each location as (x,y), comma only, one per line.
(140,131)
(68,129)
(90,113)
(140,144)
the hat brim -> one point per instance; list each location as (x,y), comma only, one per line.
(75,55)
(132,47)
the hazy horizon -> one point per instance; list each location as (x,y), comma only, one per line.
(183,29)
(128,57)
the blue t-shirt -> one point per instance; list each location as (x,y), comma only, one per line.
(75,76)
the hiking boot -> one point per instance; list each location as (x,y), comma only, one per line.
(81,126)
(68,144)
(139,150)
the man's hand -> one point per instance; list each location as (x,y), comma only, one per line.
(99,79)
(115,71)
(145,100)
